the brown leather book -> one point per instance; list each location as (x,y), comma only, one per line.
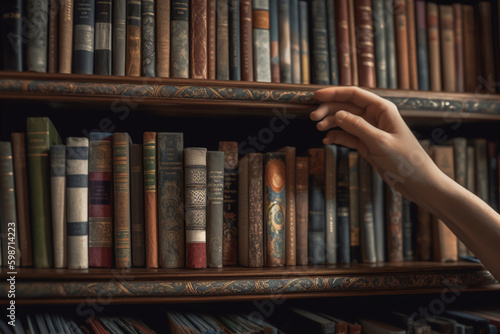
(212,39)
(486,40)
(246,40)
(470,69)
(198,39)
(343,42)
(53,48)
(291,213)
(412,43)
(163,38)
(401,31)
(458,33)
(65,35)
(302,207)
(434,46)
(352,42)
(365,43)
(133,39)
(137,223)
(394,202)
(22,199)
(423,242)
(447,48)
(150,199)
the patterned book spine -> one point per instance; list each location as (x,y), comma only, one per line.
(412,44)
(458,34)
(119,36)
(380,38)
(195,167)
(137,223)
(100,199)
(53,39)
(234,40)
(230,243)
(284,41)
(368,251)
(486,45)
(83,44)
(343,228)
(291,213)
(150,199)
(394,226)
(354,206)
(212,40)
(222,44)
(77,186)
(331,203)
(261,41)
(215,208)
(65,35)
(408,252)
(316,199)
(365,43)
(378,216)
(446,19)
(274,40)
(304,42)
(148,36)
(344,45)
(434,46)
(170,200)
(12,13)
(133,38)
(198,35)
(392,69)
(352,40)
(162,38)
(401,34)
(57,156)
(422,53)
(179,39)
(246,40)
(22,199)
(320,54)
(295,41)
(470,70)
(274,208)
(302,204)
(121,195)
(103,29)
(37,12)
(423,238)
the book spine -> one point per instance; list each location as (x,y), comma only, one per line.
(100,199)
(53,39)
(368,247)
(447,48)
(77,219)
(316,200)
(295,41)
(121,195)
(37,12)
(274,40)
(212,40)
(394,226)
(83,43)
(285,50)
(230,243)
(162,38)
(137,222)
(133,38)
(150,199)
(57,157)
(119,36)
(422,55)
(486,45)
(170,200)
(343,42)
(380,39)
(234,40)
(320,54)
(291,213)
(304,42)
(365,43)
(332,42)
(256,211)
(470,70)
(261,41)
(401,33)
(354,207)
(246,40)
(480,147)
(352,41)
(148,36)
(22,199)
(274,208)
(222,44)
(243,211)
(378,216)
(392,68)
(458,34)
(423,238)
(103,29)
(331,203)
(198,39)
(460,162)
(65,48)
(215,208)
(179,39)
(434,46)
(412,44)
(343,228)
(492,147)
(195,165)
(408,252)
(301,199)
(12,13)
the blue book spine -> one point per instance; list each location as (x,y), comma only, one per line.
(317,219)
(380,43)
(332,42)
(83,43)
(422,51)
(392,74)
(321,61)
(274,40)
(234,40)
(295,41)
(343,224)
(304,42)
(284,41)
(103,38)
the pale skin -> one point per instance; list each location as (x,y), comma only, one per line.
(373,126)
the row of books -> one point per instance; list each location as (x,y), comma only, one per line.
(399,44)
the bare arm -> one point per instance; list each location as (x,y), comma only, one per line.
(374,127)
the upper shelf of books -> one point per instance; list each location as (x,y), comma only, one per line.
(214,97)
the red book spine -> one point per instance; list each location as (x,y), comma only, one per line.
(366,52)
(344,46)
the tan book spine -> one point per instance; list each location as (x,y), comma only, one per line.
(163,38)
(412,44)
(212,39)
(401,31)
(434,46)
(291,210)
(133,39)
(446,21)
(65,35)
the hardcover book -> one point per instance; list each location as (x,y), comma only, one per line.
(274,34)
(148,38)
(379,216)
(331,200)
(37,12)
(447,42)
(365,43)
(392,69)
(65,44)
(150,198)
(401,33)
(368,246)
(434,46)
(412,43)
(422,52)
(408,234)
(285,50)
(57,156)
(137,223)
(212,39)
(215,208)
(343,228)
(222,44)
(53,37)
(234,40)
(119,36)
(162,38)
(316,200)
(103,38)
(302,204)
(344,45)
(304,42)
(246,40)
(423,240)
(291,213)
(133,38)
(352,40)
(261,41)
(354,223)
(380,24)
(458,34)
(179,39)
(295,41)
(470,47)
(12,53)
(198,35)
(83,43)
(319,39)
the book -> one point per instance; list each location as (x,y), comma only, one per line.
(412,43)
(401,34)
(101,199)
(422,52)
(12,50)
(57,157)
(380,42)
(119,32)
(302,207)
(352,40)
(83,38)
(295,41)
(77,189)
(423,239)
(198,35)
(215,208)
(103,37)
(261,41)
(162,38)
(304,42)
(394,225)
(446,24)
(458,34)
(40,135)
(365,43)
(65,44)
(148,38)
(392,69)
(492,156)
(486,46)
(311,321)
(171,240)
(234,40)
(331,199)
(470,47)
(319,40)
(37,12)
(379,222)
(354,223)
(434,46)
(133,38)
(222,44)
(379,327)
(343,42)
(408,234)
(179,39)
(481,168)
(250,210)
(246,40)
(366,222)
(212,40)
(274,209)
(137,221)
(195,208)
(274,40)
(150,198)
(316,200)
(285,50)
(53,37)
(291,212)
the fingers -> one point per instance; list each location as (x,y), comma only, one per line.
(345,139)
(329,108)
(355,95)
(327,123)
(357,126)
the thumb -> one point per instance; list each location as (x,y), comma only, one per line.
(357,126)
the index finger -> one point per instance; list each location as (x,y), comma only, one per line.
(357,96)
